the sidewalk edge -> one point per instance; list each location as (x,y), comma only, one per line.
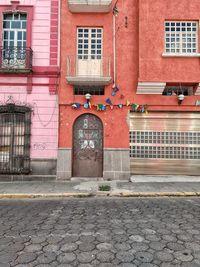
(99,194)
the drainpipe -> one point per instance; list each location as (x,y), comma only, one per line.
(114,49)
(115,13)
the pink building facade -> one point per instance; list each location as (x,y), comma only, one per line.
(29,71)
(139,61)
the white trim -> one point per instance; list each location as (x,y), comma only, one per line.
(154,88)
(87,6)
(180,55)
(181,37)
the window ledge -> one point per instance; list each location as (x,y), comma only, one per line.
(180,55)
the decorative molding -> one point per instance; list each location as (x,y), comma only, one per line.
(14,4)
(150,88)
(10,100)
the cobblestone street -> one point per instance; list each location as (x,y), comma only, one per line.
(100,232)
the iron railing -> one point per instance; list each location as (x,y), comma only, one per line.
(88,66)
(15,122)
(14,59)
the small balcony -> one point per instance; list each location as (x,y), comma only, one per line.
(89,6)
(88,70)
(15,59)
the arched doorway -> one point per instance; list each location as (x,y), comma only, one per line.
(88,146)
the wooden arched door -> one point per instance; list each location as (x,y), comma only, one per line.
(88,146)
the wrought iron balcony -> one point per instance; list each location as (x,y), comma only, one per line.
(15,59)
(88,70)
(100,6)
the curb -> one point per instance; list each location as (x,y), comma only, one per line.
(43,195)
(100,194)
(155,194)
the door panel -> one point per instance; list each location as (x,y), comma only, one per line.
(88,147)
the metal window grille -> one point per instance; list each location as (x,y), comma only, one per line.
(165,145)
(93,90)
(181,37)
(177,90)
(15,122)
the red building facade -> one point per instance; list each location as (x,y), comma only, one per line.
(128,96)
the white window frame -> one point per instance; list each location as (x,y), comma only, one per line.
(87,53)
(21,28)
(181,38)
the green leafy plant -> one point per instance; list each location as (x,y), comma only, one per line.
(104,187)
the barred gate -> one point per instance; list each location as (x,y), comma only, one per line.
(15,122)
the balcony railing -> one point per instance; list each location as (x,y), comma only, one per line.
(100,6)
(15,59)
(88,70)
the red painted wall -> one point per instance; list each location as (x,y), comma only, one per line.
(140,44)
(115,121)
(153,67)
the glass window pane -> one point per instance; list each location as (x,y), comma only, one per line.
(5,35)
(15,25)
(7,17)
(23,16)
(19,35)
(24,25)
(6,24)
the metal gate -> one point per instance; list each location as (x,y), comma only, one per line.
(88,147)
(165,143)
(15,124)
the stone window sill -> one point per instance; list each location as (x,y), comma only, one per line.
(180,55)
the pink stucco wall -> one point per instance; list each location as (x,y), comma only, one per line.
(44,127)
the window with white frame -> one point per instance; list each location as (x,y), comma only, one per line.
(14,40)
(181,37)
(14,30)
(89,43)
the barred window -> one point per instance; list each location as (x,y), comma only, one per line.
(93,90)
(181,37)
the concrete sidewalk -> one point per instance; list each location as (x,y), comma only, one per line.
(139,186)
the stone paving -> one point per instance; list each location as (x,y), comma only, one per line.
(145,232)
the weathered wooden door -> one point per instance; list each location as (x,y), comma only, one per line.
(88,147)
